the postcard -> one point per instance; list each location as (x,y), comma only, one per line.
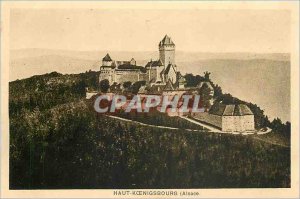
(150,99)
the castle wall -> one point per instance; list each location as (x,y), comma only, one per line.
(248,122)
(152,74)
(106,63)
(172,75)
(227,123)
(124,76)
(214,120)
(159,77)
(238,123)
(144,77)
(231,123)
(106,74)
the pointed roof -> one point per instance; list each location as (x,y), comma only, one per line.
(107,58)
(128,66)
(154,63)
(244,110)
(230,110)
(168,69)
(166,41)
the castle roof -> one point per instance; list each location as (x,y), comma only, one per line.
(128,66)
(244,110)
(107,58)
(230,110)
(112,67)
(166,71)
(154,63)
(166,41)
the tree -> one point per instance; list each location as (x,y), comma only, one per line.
(205,96)
(192,81)
(104,85)
(287,130)
(277,125)
(136,86)
(127,85)
(206,75)
(227,99)
(80,87)
(218,91)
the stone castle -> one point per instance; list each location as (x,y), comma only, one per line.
(163,77)
(159,71)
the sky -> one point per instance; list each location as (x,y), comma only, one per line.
(260,31)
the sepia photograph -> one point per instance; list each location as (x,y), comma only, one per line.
(150,99)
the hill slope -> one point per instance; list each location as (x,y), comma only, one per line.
(61,143)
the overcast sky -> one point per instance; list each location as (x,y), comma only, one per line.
(141,30)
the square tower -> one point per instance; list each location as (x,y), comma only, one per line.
(167,51)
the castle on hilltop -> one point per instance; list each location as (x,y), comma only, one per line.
(160,71)
(162,77)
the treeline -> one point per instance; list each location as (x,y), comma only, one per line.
(48,90)
(125,87)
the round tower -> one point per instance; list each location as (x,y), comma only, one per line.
(106,61)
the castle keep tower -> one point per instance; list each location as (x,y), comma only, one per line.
(106,61)
(167,51)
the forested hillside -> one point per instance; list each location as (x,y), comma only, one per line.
(57,141)
(46,91)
